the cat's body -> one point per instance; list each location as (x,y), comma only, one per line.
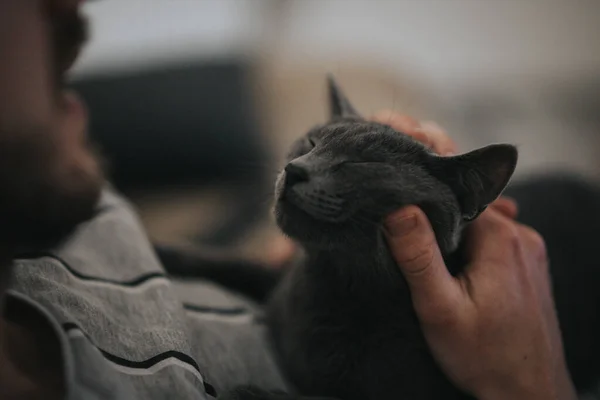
(353,336)
(342,321)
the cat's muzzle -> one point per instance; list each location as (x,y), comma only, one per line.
(315,202)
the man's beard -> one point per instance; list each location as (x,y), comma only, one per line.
(44,194)
(47,188)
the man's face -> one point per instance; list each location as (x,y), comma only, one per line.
(49,179)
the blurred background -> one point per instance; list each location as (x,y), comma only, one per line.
(195,101)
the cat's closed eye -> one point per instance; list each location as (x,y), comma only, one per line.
(351,164)
(362,162)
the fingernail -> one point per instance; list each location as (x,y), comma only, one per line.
(449,154)
(400,226)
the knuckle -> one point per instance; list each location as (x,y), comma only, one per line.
(420,137)
(442,142)
(538,240)
(402,122)
(509,233)
(538,244)
(533,237)
(503,202)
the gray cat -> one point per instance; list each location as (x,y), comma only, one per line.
(343,322)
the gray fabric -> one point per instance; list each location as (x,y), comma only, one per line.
(124,327)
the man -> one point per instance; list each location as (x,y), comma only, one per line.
(88,313)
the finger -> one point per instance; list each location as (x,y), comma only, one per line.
(414,248)
(506,206)
(537,267)
(420,137)
(442,144)
(405,124)
(534,244)
(399,122)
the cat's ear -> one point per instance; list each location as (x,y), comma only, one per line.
(478,177)
(338,102)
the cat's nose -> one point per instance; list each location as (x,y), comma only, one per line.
(295,173)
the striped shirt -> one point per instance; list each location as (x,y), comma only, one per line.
(128,331)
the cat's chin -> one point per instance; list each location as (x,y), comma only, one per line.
(314,233)
(296,223)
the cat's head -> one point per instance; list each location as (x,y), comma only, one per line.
(344,177)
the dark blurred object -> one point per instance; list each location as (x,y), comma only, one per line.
(192,124)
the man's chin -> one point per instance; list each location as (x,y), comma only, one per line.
(43,212)
(58,218)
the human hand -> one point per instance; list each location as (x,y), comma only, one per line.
(493,330)
(427,132)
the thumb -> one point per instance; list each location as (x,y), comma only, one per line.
(415,249)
